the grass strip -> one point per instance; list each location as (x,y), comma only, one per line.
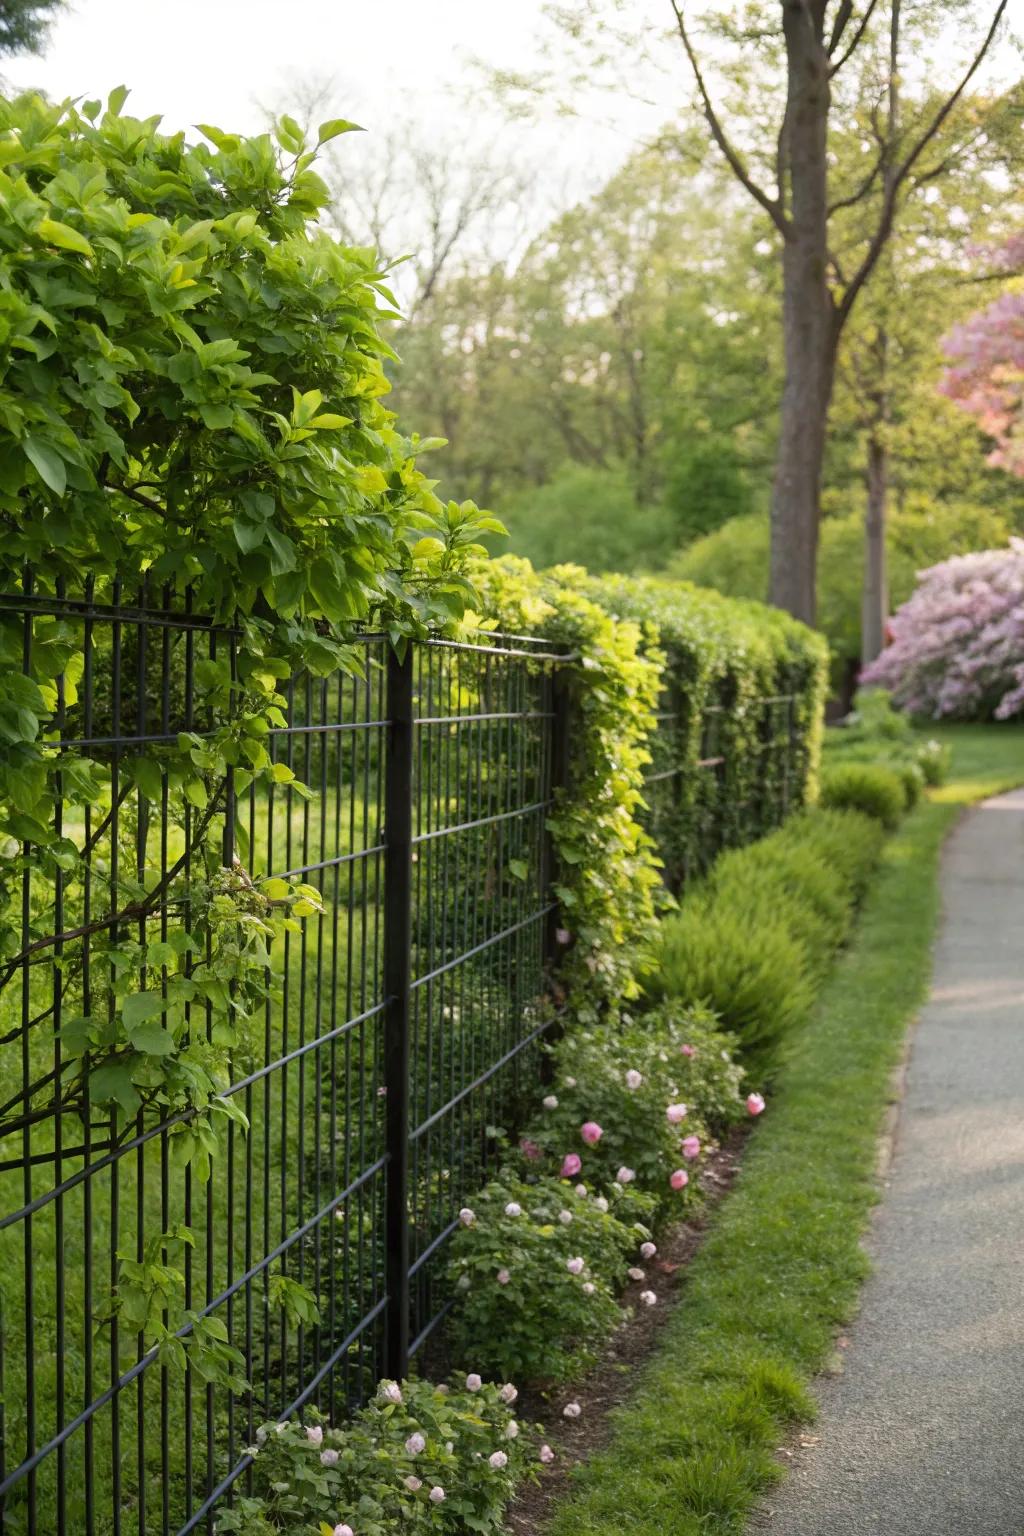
(782,1266)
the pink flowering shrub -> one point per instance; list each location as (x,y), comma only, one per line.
(418,1458)
(650,1084)
(985,376)
(566,1257)
(957,648)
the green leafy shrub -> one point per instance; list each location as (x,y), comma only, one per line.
(753,941)
(720,663)
(911,777)
(754,976)
(867,787)
(538,1265)
(874,732)
(418,1458)
(934,759)
(624,1076)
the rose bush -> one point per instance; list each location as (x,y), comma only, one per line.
(648,1083)
(537,1288)
(418,1458)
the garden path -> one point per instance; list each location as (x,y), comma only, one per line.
(922,1433)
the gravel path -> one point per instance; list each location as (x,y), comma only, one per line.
(922,1434)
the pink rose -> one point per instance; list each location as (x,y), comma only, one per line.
(688,1050)
(415,1444)
(571,1165)
(574,1266)
(546,1454)
(591,1132)
(315,1434)
(755,1103)
(675,1113)
(508,1393)
(343,1530)
(529,1149)
(679,1179)
(328,1458)
(503,1277)
(436,1495)
(691,1146)
(625,1176)
(498,1460)
(647,1250)
(473,1382)
(633,1079)
(414,1484)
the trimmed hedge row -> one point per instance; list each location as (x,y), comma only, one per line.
(643,645)
(741,682)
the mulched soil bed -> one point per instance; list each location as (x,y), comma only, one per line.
(609,1383)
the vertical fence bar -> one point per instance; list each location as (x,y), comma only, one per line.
(398,995)
(559,696)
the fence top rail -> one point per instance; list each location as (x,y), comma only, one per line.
(160,611)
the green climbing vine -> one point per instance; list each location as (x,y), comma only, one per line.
(191,396)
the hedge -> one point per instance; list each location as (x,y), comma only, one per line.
(640,640)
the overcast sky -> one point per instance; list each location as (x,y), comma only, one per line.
(219,60)
(224,61)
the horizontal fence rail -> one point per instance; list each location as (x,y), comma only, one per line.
(374,1080)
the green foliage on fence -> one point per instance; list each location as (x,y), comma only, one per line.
(724,663)
(191,387)
(638,641)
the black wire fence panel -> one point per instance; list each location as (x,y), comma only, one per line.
(394,1049)
(404,1022)
(721,780)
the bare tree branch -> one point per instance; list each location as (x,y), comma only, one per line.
(855,41)
(771,205)
(863,190)
(885,221)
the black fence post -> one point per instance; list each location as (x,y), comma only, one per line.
(397,991)
(558,746)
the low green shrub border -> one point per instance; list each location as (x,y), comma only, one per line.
(753,942)
(869,787)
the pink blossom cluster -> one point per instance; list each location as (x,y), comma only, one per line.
(985,376)
(957,645)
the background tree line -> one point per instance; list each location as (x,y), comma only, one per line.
(615,381)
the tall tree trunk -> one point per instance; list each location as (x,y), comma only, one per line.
(875,599)
(874,610)
(808,313)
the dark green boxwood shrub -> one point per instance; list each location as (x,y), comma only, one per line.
(867,787)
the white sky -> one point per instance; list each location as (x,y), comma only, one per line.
(217,61)
(223,61)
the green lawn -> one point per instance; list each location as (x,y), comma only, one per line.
(782,1266)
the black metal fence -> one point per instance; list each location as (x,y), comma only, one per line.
(730,790)
(405,1029)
